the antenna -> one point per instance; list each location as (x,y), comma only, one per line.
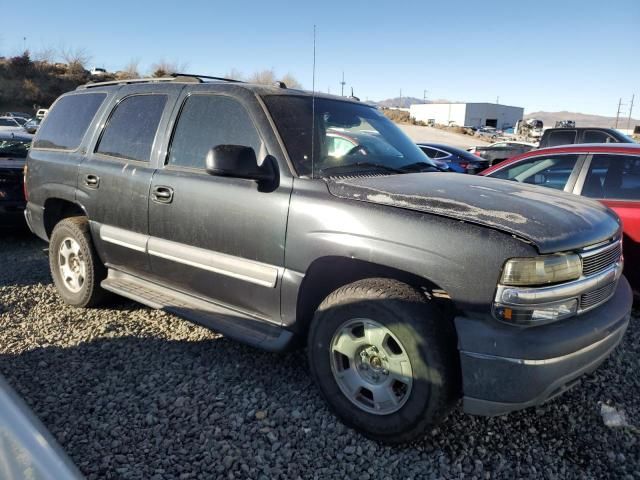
(313,104)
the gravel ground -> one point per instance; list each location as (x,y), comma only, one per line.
(135,393)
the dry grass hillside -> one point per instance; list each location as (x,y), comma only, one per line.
(26,85)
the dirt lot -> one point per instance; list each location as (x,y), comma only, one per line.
(135,393)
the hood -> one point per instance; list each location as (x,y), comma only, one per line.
(553,221)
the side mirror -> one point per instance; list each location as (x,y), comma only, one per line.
(239,162)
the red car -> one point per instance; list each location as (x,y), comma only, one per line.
(607,172)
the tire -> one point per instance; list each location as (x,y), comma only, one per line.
(413,328)
(81,254)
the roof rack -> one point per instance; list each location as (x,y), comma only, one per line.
(173,77)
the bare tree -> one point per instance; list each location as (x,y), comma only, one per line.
(269,77)
(263,77)
(234,74)
(45,55)
(78,57)
(130,70)
(290,81)
(164,68)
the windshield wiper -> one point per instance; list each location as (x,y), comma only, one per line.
(362,165)
(421,167)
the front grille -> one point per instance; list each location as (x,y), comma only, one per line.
(593,263)
(597,296)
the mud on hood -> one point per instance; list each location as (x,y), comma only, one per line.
(554,221)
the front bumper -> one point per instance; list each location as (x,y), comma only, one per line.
(506,368)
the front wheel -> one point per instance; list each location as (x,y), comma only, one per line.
(75,267)
(384,358)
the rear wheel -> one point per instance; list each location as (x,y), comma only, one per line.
(75,267)
(384,359)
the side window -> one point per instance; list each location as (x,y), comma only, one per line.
(613,177)
(561,137)
(207,121)
(548,171)
(595,136)
(132,127)
(430,152)
(68,121)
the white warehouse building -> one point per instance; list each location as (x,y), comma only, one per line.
(467,114)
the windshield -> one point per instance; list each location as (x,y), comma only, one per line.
(14,148)
(347,138)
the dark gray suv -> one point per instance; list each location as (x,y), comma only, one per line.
(282,218)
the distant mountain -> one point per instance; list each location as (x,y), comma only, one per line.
(395,102)
(581,119)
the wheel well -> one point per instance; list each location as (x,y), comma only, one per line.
(327,274)
(57,209)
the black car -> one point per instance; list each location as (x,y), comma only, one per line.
(13,152)
(456,159)
(553,137)
(500,151)
(285,218)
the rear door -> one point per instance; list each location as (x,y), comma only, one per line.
(219,238)
(114,180)
(559,171)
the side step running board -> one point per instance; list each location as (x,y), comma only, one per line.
(230,323)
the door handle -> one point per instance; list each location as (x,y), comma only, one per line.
(162,194)
(92,181)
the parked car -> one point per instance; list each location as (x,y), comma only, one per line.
(13,152)
(456,159)
(490,132)
(98,72)
(609,173)
(10,124)
(40,114)
(553,137)
(25,116)
(27,450)
(499,151)
(32,125)
(219,201)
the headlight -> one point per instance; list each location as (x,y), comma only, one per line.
(541,270)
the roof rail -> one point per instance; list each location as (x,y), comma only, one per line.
(206,77)
(173,77)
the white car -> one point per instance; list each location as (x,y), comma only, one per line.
(10,124)
(42,113)
(98,71)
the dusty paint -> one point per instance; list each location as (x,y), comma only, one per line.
(554,221)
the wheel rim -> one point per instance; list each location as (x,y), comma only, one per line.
(371,366)
(71,264)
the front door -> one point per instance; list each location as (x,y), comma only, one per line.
(218,238)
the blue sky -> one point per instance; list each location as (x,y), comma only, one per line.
(548,55)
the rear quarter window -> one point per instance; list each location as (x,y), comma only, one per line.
(68,121)
(561,137)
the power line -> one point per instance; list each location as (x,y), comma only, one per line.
(618,114)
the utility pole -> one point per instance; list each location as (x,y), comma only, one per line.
(342,84)
(425,96)
(633,97)
(24,44)
(618,114)
(497,100)
(400,105)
